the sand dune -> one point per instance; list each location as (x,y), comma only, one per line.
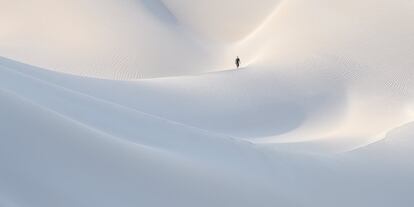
(137,103)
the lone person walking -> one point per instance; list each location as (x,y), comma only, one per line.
(238,62)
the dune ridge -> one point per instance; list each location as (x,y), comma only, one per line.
(138,103)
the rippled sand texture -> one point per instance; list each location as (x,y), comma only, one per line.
(137,103)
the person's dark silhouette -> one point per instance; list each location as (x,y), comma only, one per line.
(238,62)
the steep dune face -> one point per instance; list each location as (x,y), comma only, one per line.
(130,39)
(366,49)
(107,39)
(224,21)
(138,38)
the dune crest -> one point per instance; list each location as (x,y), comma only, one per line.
(139,103)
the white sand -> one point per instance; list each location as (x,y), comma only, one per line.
(137,103)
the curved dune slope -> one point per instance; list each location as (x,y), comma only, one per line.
(137,103)
(116,40)
(222,21)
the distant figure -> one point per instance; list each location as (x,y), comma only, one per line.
(238,62)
